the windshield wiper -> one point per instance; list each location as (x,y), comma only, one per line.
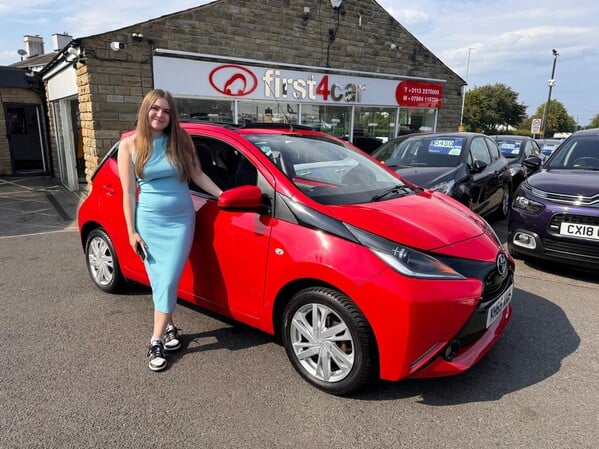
(395,190)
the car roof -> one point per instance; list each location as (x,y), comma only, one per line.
(585,132)
(511,136)
(198,126)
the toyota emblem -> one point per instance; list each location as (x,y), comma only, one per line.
(502,265)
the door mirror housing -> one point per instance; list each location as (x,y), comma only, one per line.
(478,166)
(533,162)
(242,197)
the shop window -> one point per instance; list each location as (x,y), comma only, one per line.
(373,127)
(268,112)
(416,120)
(333,120)
(203,109)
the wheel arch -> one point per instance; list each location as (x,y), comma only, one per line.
(290,289)
(86,229)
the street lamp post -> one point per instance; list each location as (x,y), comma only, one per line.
(551,83)
(464,91)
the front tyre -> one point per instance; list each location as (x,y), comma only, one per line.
(329,341)
(504,207)
(102,263)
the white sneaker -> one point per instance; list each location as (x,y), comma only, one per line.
(157,356)
(171,338)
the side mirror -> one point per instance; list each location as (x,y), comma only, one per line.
(242,197)
(532,162)
(478,166)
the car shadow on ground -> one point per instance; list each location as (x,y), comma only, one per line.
(562,270)
(537,340)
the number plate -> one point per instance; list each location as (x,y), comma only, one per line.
(578,230)
(499,306)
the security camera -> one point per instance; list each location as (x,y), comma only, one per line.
(116,46)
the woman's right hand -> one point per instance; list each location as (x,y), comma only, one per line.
(134,239)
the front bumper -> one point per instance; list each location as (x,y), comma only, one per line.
(415,326)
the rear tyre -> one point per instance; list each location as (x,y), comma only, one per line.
(329,341)
(102,263)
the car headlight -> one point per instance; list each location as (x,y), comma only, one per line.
(444,187)
(527,205)
(404,259)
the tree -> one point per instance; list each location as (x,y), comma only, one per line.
(558,120)
(595,122)
(489,107)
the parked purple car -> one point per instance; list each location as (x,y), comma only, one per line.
(555,212)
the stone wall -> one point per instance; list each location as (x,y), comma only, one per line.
(112,83)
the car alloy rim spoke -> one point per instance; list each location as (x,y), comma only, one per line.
(322,342)
(301,325)
(101,261)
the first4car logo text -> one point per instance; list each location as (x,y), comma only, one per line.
(238,81)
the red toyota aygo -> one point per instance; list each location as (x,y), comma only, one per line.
(360,273)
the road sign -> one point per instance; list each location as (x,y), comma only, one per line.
(535,127)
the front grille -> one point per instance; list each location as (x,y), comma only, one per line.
(581,250)
(574,200)
(493,286)
(558,219)
(477,323)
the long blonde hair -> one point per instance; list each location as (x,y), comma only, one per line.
(180,150)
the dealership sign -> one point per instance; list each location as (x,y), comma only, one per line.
(188,77)
(419,95)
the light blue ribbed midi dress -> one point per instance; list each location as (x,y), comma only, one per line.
(165,220)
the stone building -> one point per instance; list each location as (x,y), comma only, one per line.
(346,67)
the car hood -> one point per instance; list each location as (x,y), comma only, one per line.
(566,182)
(427,176)
(427,221)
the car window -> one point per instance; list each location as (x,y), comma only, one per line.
(325,169)
(534,149)
(580,152)
(493,149)
(510,148)
(479,150)
(224,164)
(431,151)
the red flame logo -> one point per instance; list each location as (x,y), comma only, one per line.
(233,80)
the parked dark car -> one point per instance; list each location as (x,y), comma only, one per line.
(516,149)
(367,144)
(466,166)
(555,213)
(548,146)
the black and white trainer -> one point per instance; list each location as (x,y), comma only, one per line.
(157,356)
(171,338)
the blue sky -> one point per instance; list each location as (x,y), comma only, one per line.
(511,40)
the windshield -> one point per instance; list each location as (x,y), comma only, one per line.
(431,151)
(327,170)
(580,152)
(510,148)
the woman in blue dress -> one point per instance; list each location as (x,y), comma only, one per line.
(160,159)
